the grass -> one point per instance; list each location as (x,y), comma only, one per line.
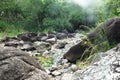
(10,29)
(96,49)
(101,44)
(13,29)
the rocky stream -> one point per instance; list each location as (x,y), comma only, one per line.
(31,56)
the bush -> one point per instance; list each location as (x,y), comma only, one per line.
(57,24)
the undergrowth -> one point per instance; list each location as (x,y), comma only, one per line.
(101,44)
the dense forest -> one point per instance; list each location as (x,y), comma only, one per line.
(18,16)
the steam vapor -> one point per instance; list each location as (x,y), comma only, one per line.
(89,7)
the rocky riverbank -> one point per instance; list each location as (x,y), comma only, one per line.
(50,55)
(18,54)
(48,50)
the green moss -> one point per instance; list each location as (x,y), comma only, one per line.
(45,61)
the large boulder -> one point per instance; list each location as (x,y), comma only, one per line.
(106,68)
(110,29)
(77,51)
(18,65)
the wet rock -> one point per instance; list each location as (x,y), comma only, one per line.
(18,65)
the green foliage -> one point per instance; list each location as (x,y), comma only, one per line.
(108,9)
(77,14)
(52,14)
(42,15)
(45,61)
(101,44)
(9,29)
(56,24)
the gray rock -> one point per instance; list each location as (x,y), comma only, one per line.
(56,73)
(61,36)
(52,40)
(24,38)
(51,36)
(40,36)
(98,57)
(14,43)
(67,76)
(28,47)
(76,51)
(44,38)
(18,65)
(60,45)
(27,36)
(74,67)
(110,29)
(108,68)
(65,31)
(7,39)
(71,35)
(42,46)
